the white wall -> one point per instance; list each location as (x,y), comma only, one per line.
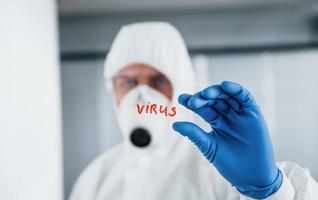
(30,116)
(234,28)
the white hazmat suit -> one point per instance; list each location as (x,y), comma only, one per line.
(169,168)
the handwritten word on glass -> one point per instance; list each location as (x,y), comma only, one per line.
(152,108)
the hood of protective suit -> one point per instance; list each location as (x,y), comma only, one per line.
(161,46)
(158,44)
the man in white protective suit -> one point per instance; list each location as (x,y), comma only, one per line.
(149,74)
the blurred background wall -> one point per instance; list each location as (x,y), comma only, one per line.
(30,101)
(270,47)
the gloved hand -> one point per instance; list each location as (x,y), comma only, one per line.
(239,145)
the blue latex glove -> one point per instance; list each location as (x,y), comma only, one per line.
(239,145)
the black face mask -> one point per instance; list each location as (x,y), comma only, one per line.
(140,137)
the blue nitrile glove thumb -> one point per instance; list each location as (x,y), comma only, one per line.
(239,145)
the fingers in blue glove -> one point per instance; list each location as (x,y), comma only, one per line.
(216,92)
(197,101)
(221,106)
(208,115)
(242,95)
(206,142)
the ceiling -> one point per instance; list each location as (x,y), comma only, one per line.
(135,6)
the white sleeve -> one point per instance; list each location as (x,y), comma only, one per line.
(297,184)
